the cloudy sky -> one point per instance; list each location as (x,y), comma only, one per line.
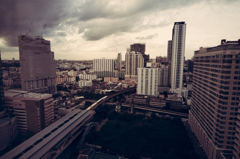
(87,29)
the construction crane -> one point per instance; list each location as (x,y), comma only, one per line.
(30,30)
(43,30)
(40,35)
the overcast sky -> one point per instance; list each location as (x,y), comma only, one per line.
(88,29)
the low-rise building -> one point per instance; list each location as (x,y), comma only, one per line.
(175,102)
(83,83)
(87,76)
(112,79)
(34,111)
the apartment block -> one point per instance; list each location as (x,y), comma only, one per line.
(141,48)
(87,76)
(83,83)
(214,114)
(148,81)
(34,111)
(38,67)
(100,65)
(133,60)
(164,75)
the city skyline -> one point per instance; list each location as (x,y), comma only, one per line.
(86,29)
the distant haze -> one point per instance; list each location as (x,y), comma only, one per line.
(87,29)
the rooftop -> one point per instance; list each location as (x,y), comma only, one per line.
(224,45)
(179,23)
(25,94)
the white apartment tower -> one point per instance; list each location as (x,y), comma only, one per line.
(133,60)
(103,65)
(178,51)
(38,68)
(147,81)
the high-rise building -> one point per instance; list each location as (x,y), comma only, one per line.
(1,87)
(169,51)
(34,111)
(214,114)
(103,65)
(133,60)
(119,62)
(160,59)
(140,48)
(178,51)
(164,77)
(190,64)
(147,81)
(38,68)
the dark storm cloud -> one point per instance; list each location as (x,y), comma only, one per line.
(93,9)
(95,19)
(147,37)
(16,17)
(102,18)
(100,28)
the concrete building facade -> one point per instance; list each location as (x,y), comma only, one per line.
(178,52)
(214,115)
(139,47)
(83,83)
(119,62)
(100,65)
(164,77)
(34,111)
(169,51)
(133,60)
(38,68)
(87,76)
(147,81)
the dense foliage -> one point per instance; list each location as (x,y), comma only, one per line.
(136,135)
(90,95)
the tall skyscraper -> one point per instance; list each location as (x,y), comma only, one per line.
(214,114)
(169,51)
(133,60)
(1,87)
(38,68)
(164,77)
(140,48)
(119,62)
(178,51)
